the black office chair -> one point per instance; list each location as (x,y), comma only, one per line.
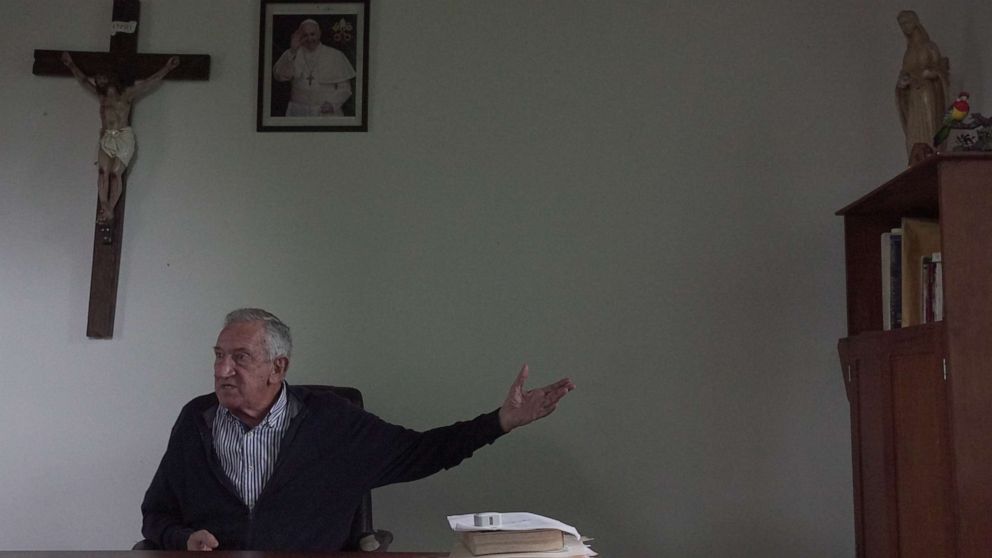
(363,537)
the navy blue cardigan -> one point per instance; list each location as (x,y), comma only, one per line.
(331,455)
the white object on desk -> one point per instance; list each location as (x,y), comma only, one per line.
(487,519)
(511,521)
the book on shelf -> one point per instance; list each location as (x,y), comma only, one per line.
(938,287)
(920,238)
(480,543)
(891,279)
(931,276)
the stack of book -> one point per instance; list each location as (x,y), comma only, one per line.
(515,535)
(912,274)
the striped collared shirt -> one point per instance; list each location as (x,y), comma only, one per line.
(248,455)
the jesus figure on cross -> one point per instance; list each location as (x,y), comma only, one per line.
(117,141)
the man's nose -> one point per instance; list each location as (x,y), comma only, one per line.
(223,367)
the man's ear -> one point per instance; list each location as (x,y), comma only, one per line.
(281,366)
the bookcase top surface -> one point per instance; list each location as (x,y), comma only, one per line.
(914,190)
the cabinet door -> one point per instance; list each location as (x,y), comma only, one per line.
(966,230)
(899,422)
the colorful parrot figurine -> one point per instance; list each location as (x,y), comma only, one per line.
(959,109)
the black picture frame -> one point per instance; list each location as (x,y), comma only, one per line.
(285,102)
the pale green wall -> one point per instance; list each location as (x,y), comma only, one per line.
(637,194)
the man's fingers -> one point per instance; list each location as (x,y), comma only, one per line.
(521,377)
(552,394)
(563,385)
(211,541)
(202,540)
(564,382)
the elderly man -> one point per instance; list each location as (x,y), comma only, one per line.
(321,75)
(260,464)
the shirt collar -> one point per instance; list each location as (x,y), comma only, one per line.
(271,418)
(277,410)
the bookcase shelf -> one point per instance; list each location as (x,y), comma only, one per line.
(921,396)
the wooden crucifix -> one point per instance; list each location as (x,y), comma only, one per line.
(123,65)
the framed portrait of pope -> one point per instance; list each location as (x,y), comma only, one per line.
(313,64)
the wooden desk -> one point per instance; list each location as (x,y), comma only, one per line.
(216,554)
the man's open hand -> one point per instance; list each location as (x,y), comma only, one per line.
(525,406)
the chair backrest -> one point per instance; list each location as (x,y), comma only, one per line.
(363,535)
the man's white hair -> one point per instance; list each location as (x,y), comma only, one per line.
(278,341)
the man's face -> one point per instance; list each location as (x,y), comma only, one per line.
(310,38)
(246,381)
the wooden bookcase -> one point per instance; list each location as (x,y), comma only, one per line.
(921,396)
